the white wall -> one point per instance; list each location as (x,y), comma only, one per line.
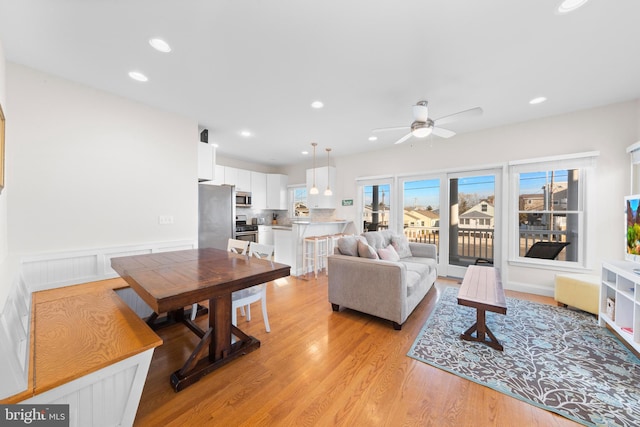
(608,129)
(91,170)
(5,271)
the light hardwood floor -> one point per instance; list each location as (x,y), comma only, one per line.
(320,368)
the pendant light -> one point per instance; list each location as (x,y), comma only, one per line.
(314,189)
(328,191)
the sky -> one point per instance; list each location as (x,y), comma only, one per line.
(426,192)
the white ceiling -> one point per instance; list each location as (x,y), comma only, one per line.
(258,64)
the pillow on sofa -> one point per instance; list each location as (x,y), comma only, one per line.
(401,245)
(366,251)
(388,254)
(348,245)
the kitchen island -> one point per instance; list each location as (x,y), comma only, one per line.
(288,240)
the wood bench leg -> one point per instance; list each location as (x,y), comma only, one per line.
(481,328)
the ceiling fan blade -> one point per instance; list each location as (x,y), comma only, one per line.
(403,139)
(394,128)
(457,116)
(443,133)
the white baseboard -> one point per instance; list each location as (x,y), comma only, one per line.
(529,288)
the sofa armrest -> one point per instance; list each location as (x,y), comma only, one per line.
(424,250)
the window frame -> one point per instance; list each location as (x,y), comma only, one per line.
(585,163)
(292,200)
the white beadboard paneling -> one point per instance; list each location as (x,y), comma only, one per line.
(14,336)
(107,397)
(55,270)
(47,271)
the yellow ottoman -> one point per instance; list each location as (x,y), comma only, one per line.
(578,290)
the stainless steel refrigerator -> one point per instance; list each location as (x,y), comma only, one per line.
(216,215)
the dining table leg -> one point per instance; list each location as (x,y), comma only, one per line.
(218,340)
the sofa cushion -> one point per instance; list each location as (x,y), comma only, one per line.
(366,251)
(388,254)
(401,245)
(348,245)
(378,239)
(417,271)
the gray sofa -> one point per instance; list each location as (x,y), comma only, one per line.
(389,289)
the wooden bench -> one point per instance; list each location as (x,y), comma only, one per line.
(482,289)
(90,350)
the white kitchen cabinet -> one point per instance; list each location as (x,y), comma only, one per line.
(241,178)
(244,180)
(230,176)
(218,175)
(323,176)
(265,234)
(277,191)
(206,161)
(259,190)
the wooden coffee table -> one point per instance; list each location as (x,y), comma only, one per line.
(482,289)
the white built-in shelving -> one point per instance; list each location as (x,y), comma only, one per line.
(621,285)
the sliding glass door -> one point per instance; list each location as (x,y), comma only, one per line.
(473,216)
(421,210)
(456,211)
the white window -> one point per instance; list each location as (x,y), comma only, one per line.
(556,225)
(298,201)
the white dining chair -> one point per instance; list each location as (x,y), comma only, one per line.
(245,297)
(237,247)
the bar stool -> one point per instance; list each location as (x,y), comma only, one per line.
(332,242)
(315,249)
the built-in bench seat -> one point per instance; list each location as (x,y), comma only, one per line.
(89,349)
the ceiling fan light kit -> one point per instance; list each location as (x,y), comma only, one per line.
(422,129)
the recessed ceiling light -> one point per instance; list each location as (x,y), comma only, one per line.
(570,5)
(538,100)
(246,133)
(317,104)
(136,75)
(305,152)
(373,138)
(160,45)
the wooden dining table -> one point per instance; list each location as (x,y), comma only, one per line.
(170,281)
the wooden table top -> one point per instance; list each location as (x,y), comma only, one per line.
(482,285)
(172,280)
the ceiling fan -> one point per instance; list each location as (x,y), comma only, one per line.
(423,126)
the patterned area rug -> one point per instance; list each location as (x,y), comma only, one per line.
(557,359)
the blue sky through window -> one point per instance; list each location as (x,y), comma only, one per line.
(532,182)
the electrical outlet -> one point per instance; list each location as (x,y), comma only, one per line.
(165,219)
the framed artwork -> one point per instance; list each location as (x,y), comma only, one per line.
(1,149)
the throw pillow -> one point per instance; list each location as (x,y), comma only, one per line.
(348,245)
(388,254)
(401,245)
(366,251)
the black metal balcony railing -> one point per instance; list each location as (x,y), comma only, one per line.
(476,243)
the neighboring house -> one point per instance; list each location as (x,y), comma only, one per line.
(536,202)
(478,216)
(383,214)
(420,218)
